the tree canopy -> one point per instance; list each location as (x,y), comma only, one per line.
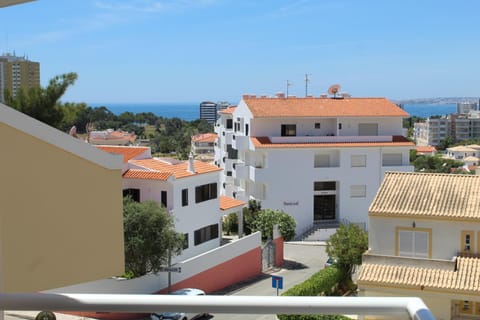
(149,235)
(265,219)
(346,246)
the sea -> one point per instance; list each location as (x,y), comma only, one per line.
(190,111)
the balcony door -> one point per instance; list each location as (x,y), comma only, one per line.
(325,201)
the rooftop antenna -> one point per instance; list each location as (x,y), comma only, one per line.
(334,89)
(307,80)
(288,85)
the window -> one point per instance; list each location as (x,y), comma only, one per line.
(321,161)
(184,197)
(164,198)
(229,173)
(368,129)
(317,125)
(467,241)
(206,233)
(391,159)
(413,242)
(229,124)
(358,191)
(289,130)
(232,153)
(133,193)
(205,192)
(324,185)
(185,241)
(358,160)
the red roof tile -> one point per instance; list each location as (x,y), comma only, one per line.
(397,141)
(178,170)
(323,107)
(205,137)
(229,203)
(127,152)
(228,110)
(146,175)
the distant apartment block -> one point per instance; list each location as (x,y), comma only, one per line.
(203,146)
(457,126)
(209,110)
(466,106)
(112,137)
(318,159)
(17,73)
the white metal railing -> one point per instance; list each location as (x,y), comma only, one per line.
(330,139)
(413,307)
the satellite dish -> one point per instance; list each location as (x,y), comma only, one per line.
(334,89)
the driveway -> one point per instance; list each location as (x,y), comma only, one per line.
(302,259)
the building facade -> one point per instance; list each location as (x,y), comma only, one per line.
(457,126)
(188,190)
(17,73)
(424,240)
(60,207)
(209,110)
(318,159)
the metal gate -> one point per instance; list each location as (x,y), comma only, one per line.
(268,255)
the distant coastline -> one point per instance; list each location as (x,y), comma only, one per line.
(437,100)
(190,111)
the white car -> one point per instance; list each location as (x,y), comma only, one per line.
(180,315)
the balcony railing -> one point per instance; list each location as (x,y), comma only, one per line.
(331,139)
(135,303)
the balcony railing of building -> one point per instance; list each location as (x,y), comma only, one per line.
(331,139)
(414,308)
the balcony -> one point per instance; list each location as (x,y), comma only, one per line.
(228,137)
(331,139)
(414,308)
(241,171)
(241,142)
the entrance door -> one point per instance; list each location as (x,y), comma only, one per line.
(324,207)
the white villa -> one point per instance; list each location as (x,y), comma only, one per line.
(187,189)
(318,159)
(424,241)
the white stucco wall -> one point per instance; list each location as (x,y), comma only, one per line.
(446,235)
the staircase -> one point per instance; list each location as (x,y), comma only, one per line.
(320,231)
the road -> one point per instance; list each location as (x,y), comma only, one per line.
(301,261)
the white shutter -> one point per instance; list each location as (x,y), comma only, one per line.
(322,161)
(358,191)
(405,243)
(368,129)
(359,160)
(392,159)
(421,244)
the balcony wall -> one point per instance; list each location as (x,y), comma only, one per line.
(241,142)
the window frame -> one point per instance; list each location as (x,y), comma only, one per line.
(185,197)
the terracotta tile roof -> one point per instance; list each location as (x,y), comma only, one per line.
(323,107)
(205,137)
(432,195)
(127,152)
(422,149)
(177,169)
(461,149)
(228,110)
(462,280)
(397,141)
(470,159)
(229,203)
(146,175)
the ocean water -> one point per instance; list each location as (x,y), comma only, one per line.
(191,111)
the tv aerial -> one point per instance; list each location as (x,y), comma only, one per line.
(334,89)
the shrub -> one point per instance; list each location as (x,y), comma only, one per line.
(320,283)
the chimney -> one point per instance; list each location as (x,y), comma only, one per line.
(191,164)
(280,95)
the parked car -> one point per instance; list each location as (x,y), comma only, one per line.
(180,315)
(330,262)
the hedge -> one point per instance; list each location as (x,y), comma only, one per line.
(321,283)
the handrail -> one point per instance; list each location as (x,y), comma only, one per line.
(414,307)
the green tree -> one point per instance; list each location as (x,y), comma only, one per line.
(267,218)
(346,246)
(149,235)
(43,103)
(435,164)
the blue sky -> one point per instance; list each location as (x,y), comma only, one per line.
(194,50)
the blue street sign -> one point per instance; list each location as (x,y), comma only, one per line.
(277,282)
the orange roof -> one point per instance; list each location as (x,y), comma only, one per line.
(426,149)
(205,137)
(322,107)
(178,170)
(229,203)
(146,175)
(127,152)
(264,142)
(228,110)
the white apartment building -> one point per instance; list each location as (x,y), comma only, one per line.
(458,126)
(424,241)
(318,159)
(187,189)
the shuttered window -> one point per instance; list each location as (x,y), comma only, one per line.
(391,159)
(322,161)
(358,191)
(413,243)
(368,129)
(359,160)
